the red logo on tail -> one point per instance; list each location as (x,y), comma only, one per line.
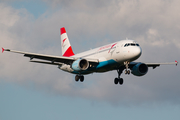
(64,40)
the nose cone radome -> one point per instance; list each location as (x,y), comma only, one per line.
(137,52)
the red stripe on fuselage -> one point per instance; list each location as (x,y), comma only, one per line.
(69,52)
(112,47)
(63,30)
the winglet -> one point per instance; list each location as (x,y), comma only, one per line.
(2,50)
(176,62)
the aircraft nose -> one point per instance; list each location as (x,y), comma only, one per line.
(137,52)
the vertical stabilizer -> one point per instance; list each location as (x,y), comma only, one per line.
(65,44)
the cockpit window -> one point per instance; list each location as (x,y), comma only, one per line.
(130,44)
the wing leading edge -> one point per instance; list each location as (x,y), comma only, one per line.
(154,65)
(53,60)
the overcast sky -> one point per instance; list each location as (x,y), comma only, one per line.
(36,91)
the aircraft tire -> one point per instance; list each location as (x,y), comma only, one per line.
(81,78)
(121,81)
(128,72)
(76,78)
(116,80)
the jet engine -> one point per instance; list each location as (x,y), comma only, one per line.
(80,65)
(139,69)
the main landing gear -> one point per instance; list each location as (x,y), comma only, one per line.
(119,80)
(79,77)
(120,70)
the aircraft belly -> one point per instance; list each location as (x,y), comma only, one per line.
(107,66)
(103,66)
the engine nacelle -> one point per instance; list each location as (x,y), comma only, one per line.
(139,69)
(80,65)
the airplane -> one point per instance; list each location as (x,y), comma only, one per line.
(117,56)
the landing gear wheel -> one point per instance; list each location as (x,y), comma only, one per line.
(116,80)
(125,71)
(81,78)
(121,81)
(76,78)
(128,72)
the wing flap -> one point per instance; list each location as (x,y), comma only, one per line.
(45,62)
(66,60)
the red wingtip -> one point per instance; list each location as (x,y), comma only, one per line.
(176,62)
(2,50)
(62,30)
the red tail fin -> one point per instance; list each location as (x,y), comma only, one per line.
(66,46)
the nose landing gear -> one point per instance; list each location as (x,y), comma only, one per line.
(127,65)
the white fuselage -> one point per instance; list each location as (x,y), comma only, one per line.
(110,56)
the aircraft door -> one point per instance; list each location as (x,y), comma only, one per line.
(117,49)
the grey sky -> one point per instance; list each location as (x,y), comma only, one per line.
(154,24)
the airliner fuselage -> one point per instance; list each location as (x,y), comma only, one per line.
(115,56)
(110,57)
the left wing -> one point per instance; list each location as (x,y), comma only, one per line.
(53,60)
(154,65)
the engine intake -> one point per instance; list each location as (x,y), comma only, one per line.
(139,69)
(80,65)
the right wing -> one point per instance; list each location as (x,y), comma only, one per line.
(50,59)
